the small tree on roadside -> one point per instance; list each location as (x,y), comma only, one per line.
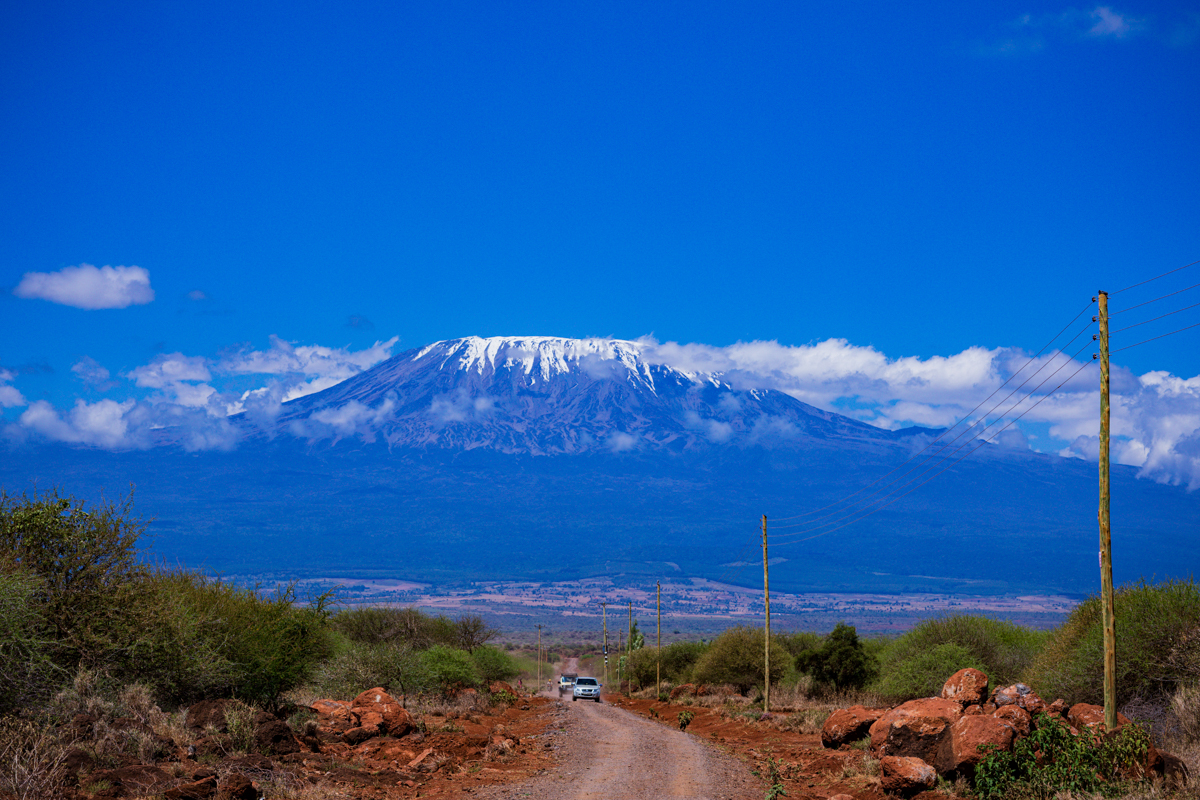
(840,661)
(473,632)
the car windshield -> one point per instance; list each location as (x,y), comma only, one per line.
(586,682)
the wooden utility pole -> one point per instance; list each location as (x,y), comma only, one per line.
(767,638)
(539,662)
(629,646)
(1106,580)
(658,645)
(604,610)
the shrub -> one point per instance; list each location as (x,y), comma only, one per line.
(1052,761)
(494,665)
(394,667)
(923,673)
(86,564)
(449,669)
(737,657)
(27,673)
(799,643)
(918,663)
(841,661)
(1155,623)
(678,660)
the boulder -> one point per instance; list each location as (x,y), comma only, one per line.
(236,786)
(373,697)
(374,710)
(966,687)
(208,713)
(1007,695)
(905,774)
(497,687)
(682,689)
(276,738)
(1058,707)
(914,729)
(1016,718)
(1086,715)
(972,710)
(356,736)
(326,707)
(848,724)
(960,750)
(1032,703)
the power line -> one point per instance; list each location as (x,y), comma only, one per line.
(948,466)
(1172,333)
(960,447)
(952,427)
(1155,300)
(1156,277)
(940,453)
(1169,313)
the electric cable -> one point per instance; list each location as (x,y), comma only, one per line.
(931,477)
(952,427)
(1156,277)
(1155,300)
(1172,333)
(940,452)
(1169,313)
(980,438)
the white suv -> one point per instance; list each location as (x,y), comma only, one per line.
(587,688)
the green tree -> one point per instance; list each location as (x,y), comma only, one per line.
(840,661)
(449,668)
(494,665)
(737,656)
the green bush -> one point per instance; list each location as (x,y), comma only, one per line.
(203,637)
(449,669)
(799,643)
(841,661)
(924,673)
(1155,624)
(85,561)
(395,667)
(27,672)
(737,656)
(677,660)
(918,663)
(494,665)
(1051,762)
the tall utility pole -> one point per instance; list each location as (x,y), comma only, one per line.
(1106,580)
(767,638)
(539,662)
(629,645)
(604,610)
(658,644)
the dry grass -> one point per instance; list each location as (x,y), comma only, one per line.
(31,760)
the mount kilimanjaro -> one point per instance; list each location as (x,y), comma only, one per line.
(554,459)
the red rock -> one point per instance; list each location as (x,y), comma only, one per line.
(497,687)
(848,724)
(966,687)
(276,738)
(842,797)
(356,736)
(960,751)
(914,729)
(973,710)
(682,689)
(199,790)
(1086,715)
(236,786)
(1007,695)
(988,707)
(904,774)
(1059,706)
(373,697)
(397,722)
(327,707)
(1032,703)
(1016,718)
(208,713)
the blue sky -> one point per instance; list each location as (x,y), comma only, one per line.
(917,181)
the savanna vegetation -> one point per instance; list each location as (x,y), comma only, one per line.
(87,628)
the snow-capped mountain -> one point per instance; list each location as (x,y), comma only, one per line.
(546,395)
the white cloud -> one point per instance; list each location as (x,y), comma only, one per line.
(621,442)
(10,397)
(86,286)
(102,424)
(91,372)
(714,430)
(1109,23)
(352,419)
(310,368)
(168,369)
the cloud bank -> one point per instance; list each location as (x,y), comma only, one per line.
(89,287)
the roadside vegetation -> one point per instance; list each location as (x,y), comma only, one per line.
(87,630)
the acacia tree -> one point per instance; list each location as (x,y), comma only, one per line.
(473,632)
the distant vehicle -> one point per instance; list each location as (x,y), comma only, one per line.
(565,682)
(587,688)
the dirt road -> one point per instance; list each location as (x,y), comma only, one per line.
(606,753)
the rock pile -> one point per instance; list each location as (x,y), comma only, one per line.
(920,739)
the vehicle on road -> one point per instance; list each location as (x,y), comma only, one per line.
(566,682)
(587,688)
